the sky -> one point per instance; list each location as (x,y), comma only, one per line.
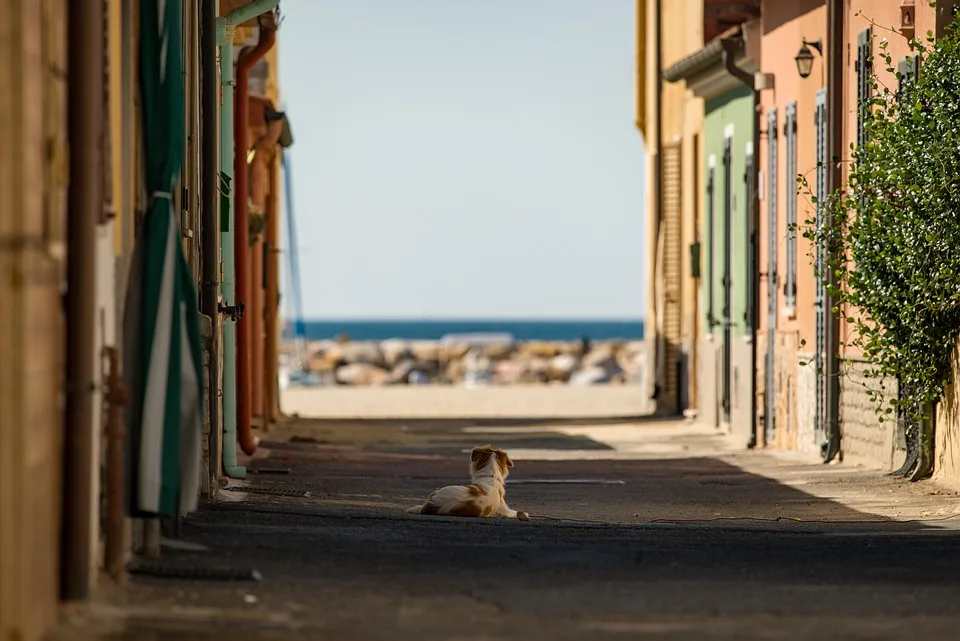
(465,158)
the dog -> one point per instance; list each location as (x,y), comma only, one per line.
(484,497)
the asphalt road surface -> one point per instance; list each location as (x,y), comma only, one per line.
(674,537)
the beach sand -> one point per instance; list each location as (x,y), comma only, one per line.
(520,401)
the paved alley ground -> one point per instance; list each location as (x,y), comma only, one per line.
(640,529)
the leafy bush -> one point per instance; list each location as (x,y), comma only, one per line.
(894,239)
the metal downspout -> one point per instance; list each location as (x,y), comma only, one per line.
(660,345)
(730,46)
(226,29)
(85,122)
(835,114)
(271,304)
(209,210)
(230,308)
(248,442)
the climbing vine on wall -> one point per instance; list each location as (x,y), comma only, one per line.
(893,241)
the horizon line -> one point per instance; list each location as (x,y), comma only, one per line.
(470,319)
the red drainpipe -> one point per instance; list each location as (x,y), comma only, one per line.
(248,442)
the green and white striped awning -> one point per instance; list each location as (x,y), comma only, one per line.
(162,351)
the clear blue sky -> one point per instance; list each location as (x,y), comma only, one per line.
(465,158)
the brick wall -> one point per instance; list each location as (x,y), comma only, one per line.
(787,373)
(865,439)
(806,404)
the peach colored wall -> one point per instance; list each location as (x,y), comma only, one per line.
(884,17)
(785,25)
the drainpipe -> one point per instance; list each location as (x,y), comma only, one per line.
(248,442)
(229,308)
(85,119)
(255,289)
(271,305)
(835,114)
(660,349)
(209,213)
(730,49)
(226,29)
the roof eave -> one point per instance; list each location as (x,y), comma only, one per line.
(696,63)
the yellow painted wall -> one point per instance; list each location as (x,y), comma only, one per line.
(273,75)
(640,119)
(681,34)
(33,183)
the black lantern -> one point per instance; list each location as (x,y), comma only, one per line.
(804,57)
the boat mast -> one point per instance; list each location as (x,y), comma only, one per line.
(299,329)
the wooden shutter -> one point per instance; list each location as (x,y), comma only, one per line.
(672,266)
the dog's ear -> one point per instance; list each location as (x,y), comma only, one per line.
(479,451)
(505,458)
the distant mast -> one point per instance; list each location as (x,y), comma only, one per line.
(299,331)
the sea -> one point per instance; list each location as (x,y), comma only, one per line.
(521,330)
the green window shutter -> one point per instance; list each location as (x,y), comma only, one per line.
(711,247)
(790,192)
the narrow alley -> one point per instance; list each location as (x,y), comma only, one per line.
(639,528)
(694,264)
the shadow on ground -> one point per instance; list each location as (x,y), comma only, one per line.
(684,547)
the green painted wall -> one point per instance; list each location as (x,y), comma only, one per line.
(732,110)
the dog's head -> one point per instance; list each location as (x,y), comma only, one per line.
(485,456)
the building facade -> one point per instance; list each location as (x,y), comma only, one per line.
(670,120)
(661,119)
(716,77)
(793,120)
(743,323)
(74,206)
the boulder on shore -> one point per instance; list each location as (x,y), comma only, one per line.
(361,374)
(404,362)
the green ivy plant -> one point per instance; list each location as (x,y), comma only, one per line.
(894,239)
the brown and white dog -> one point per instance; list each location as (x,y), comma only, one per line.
(484,497)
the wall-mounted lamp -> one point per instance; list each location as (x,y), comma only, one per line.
(907,24)
(804,57)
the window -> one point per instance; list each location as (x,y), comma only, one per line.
(790,185)
(907,70)
(820,292)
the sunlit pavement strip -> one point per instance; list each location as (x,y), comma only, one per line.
(638,441)
(847,485)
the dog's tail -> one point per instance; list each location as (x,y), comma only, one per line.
(415,509)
